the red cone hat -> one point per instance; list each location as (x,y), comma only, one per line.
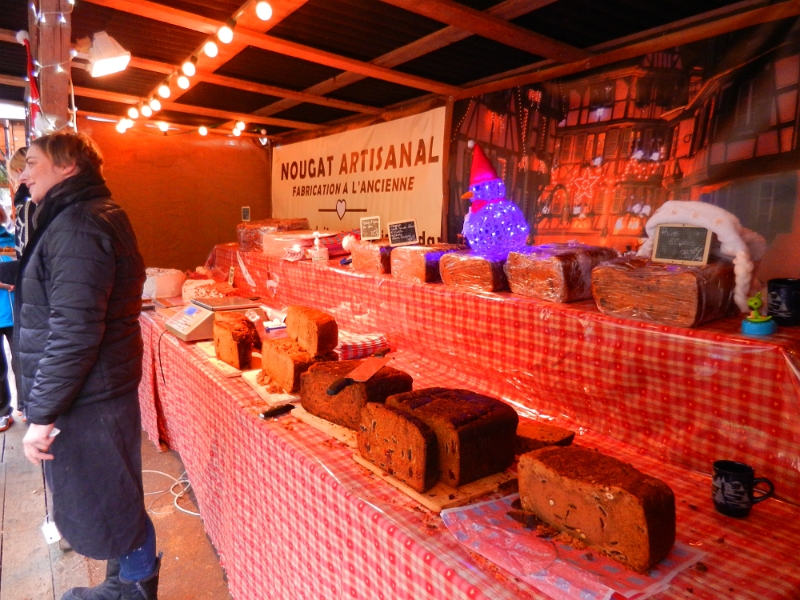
(482,170)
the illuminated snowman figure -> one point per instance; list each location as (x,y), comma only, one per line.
(493,226)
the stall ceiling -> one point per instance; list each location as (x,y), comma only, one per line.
(320,63)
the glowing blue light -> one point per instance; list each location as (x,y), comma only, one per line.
(496,229)
(493,189)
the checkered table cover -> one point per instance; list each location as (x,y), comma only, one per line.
(294,517)
(687,396)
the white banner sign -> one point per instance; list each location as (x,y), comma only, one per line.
(392,170)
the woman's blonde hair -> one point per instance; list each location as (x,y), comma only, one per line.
(16,165)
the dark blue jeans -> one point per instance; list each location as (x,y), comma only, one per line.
(5,390)
(140,563)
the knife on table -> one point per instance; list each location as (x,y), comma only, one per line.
(362,372)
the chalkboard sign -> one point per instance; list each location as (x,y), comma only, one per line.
(681,244)
(370,228)
(402,233)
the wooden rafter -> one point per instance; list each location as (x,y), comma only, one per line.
(486,25)
(749,18)
(6,35)
(13,81)
(141,124)
(510,9)
(158,12)
(192,110)
(241,84)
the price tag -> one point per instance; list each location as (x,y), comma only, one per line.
(231,273)
(50,531)
(681,244)
(402,233)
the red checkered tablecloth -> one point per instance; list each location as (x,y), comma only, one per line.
(686,396)
(294,517)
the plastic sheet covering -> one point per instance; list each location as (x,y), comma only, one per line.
(555,272)
(555,568)
(251,233)
(470,271)
(420,263)
(685,296)
(684,396)
(371,256)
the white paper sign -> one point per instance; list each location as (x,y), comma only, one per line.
(392,169)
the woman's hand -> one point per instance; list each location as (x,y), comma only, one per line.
(37,442)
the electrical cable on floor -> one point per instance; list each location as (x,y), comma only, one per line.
(183,481)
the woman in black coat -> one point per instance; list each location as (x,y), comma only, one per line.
(80,356)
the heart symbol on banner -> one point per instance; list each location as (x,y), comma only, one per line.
(341,208)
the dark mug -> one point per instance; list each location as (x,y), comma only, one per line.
(783,300)
(732,488)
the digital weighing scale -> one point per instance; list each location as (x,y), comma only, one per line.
(196,320)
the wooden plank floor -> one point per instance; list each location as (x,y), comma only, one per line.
(30,569)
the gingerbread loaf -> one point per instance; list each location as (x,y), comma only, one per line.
(606,503)
(400,444)
(315,331)
(371,256)
(420,263)
(476,433)
(284,361)
(235,336)
(250,234)
(532,435)
(473,272)
(345,407)
(555,272)
(685,296)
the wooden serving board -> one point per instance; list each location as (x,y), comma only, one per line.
(441,495)
(343,434)
(250,378)
(227,370)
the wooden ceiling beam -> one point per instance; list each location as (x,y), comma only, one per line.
(748,18)
(159,12)
(250,86)
(100,116)
(6,35)
(13,81)
(510,9)
(488,26)
(193,110)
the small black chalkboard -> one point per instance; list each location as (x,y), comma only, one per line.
(681,244)
(370,228)
(402,233)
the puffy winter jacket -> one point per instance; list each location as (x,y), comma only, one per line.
(79,295)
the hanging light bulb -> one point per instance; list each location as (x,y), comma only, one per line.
(189,68)
(155,104)
(264,11)
(203,130)
(133,113)
(163,126)
(61,19)
(225,33)
(146,111)
(240,125)
(183,82)
(163,90)
(121,127)
(237,132)
(210,49)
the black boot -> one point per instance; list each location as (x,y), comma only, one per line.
(110,589)
(144,589)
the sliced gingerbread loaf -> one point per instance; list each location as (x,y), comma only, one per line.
(284,361)
(400,444)
(608,504)
(476,433)
(235,336)
(315,331)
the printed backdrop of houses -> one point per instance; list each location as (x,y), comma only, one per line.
(590,158)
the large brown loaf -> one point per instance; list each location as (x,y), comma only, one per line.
(315,331)
(284,361)
(371,257)
(476,433)
(235,336)
(400,444)
(473,272)
(420,263)
(604,502)
(685,296)
(345,407)
(555,272)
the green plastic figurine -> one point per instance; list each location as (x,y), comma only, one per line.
(754,303)
(756,324)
